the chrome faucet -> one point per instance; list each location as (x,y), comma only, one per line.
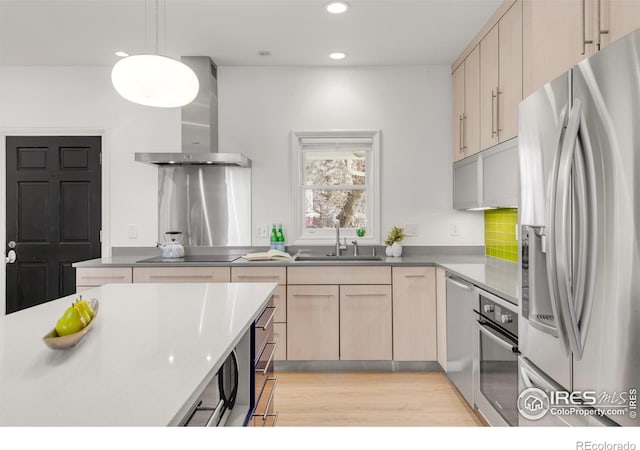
(355,248)
(339,247)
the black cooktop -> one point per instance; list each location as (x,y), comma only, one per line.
(191,258)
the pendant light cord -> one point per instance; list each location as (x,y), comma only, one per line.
(157,25)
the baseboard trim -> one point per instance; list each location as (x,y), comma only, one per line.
(357,366)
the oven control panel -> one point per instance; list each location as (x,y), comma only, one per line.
(502,314)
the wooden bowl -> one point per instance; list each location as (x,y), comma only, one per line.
(62,342)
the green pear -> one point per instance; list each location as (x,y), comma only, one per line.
(70,322)
(86,307)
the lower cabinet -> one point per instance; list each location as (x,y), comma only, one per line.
(313,318)
(365,323)
(441,319)
(414,314)
(265,380)
(181,274)
(88,278)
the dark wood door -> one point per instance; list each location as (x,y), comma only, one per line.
(53,214)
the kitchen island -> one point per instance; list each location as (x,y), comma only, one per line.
(151,352)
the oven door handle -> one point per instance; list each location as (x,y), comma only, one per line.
(496,338)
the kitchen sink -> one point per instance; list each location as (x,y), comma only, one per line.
(337,258)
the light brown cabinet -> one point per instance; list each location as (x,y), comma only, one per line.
(466,107)
(313,323)
(87,278)
(181,274)
(365,323)
(270,275)
(617,19)
(414,314)
(501,79)
(441,319)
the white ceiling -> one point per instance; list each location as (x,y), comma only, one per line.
(297,32)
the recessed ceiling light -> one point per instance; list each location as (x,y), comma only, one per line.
(122,54)
(337,55)
(336,7)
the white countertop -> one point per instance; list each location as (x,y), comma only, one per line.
(152,345)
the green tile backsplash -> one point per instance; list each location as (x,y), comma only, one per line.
(500,233)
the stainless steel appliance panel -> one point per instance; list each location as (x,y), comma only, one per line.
(460,339)
(467,183)
(211,205)
(543,118)
(606,312)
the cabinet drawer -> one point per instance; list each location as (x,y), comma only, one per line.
(339,275)
(264,328)
(265,403)
(264,367)
(259,275)
(100,276)
(181,274)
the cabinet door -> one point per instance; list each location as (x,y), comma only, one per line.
(414,314)
(510,72)
(365,323)
(441,316)
(467,190)
(471,131)
(181,274)
(280,336)
(500,185)
(458,112)
(312,323)
(556,35)
(617,19)
(489,89)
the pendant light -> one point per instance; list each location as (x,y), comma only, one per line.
(155,80)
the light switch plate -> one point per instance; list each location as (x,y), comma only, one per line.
(262,230)
(132,231)
(411,229)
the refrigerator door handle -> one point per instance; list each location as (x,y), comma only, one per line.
(570,289)
(551,249)
(579,310)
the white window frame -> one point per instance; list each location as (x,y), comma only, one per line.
(328,236)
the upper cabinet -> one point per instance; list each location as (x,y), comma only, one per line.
(501,78)
(466,107)
(559,34)
(617,19)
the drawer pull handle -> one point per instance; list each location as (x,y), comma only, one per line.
(269,319)
(312,295)
(373,294)
(273,352)
(413,276)
(102,277)
(273,391)
(261,277)
(179,277)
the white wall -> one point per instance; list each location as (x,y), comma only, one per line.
(410,104)
(258,108)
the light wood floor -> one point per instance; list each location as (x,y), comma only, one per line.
(370,399)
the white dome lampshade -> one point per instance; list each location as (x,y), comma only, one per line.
(155,80)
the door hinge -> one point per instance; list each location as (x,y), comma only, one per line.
(100,235)
(100,158)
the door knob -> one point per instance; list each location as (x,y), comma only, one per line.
(11,257)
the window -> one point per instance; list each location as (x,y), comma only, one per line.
(336,176)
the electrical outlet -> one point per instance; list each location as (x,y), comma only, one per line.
(455,230)
(262,231)
(411,229)
(132,231)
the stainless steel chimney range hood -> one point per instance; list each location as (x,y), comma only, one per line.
(199,126)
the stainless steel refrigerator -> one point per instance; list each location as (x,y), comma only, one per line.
(579,149)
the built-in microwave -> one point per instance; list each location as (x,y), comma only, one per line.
(218,398)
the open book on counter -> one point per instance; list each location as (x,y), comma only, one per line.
(271,255)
